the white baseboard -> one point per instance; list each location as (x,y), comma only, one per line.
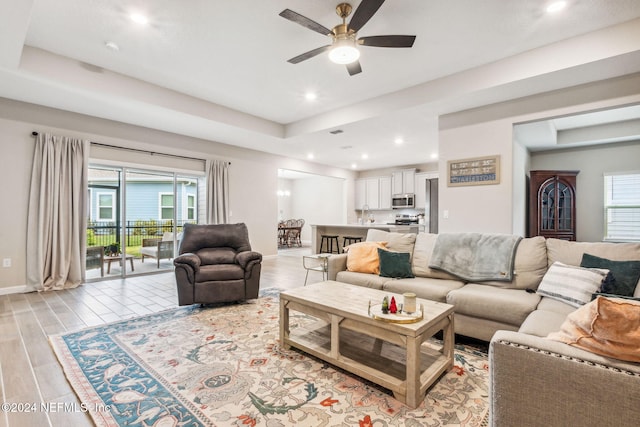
(14,290)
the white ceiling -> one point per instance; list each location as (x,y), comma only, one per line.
(217,69)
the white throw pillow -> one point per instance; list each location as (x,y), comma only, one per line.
(571,284)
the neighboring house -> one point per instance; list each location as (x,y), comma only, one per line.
(148,197)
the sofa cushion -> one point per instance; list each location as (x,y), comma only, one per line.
(542,322)
(396,242)
(571,252)
(363,257)
(509,306)
(424,287)
(571,284)
(606,326)
(221,255)
(625,274)
(219,272)
(557,306)
(422,257)
(361,279)
(529,266)
(395,264)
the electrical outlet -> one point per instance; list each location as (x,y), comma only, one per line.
(6,262)
(445,214)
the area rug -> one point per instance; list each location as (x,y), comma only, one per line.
(223,366)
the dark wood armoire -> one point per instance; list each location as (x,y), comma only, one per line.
(552,204)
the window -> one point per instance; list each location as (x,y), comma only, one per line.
(105,207)
(191,207)
(622,207)
(166,205)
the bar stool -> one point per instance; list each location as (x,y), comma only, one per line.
(327,240)
(348,240)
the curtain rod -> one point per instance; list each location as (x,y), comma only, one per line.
(152,153)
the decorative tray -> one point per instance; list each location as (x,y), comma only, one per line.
(375,311)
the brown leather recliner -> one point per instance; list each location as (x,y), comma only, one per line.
(216,264)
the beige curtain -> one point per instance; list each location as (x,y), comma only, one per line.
(217,191)
(57,217)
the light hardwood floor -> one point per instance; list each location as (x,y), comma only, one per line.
(29,370)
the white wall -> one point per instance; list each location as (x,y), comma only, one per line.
(284,201)
(253,175)
(318,200)
(476,208)
(593,163)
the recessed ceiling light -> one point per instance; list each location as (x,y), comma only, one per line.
(354,165)
(310,96)
(112,46)
(556,6)
(434,155)
(139,18)
(310,156)
(365,156)
(398,140)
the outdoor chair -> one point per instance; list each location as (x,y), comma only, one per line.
(158,248)
(216,264)
(95,258)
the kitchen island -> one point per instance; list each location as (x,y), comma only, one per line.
(353,230)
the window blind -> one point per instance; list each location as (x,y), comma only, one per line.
(622,206)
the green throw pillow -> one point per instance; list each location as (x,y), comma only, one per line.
(395,264)
(625,274)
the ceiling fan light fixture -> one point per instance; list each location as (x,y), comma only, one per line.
(344,52)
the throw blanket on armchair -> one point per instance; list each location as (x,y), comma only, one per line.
(476,257)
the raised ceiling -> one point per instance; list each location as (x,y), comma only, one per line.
(217,70)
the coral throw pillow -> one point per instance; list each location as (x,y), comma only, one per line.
(606,326)
(363,257)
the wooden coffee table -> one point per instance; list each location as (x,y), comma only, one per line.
(393,355)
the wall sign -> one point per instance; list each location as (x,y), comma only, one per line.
(475,171)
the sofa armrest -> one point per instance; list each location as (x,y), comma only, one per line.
(188,259)
(335,264)
(246,257)
(539,382)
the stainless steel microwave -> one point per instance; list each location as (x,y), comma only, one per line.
(402,201)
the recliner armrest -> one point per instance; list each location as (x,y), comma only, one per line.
(244,258)
(189,259)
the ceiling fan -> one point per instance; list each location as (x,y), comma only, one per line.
(343,48)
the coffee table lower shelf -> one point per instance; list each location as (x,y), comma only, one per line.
(406,366)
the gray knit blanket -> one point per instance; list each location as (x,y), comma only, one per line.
(475,257)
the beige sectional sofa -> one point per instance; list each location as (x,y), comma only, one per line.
(481,308)
(535,381)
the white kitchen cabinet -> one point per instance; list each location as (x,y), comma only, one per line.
(403,181)
(373,192)
(385,192)
(360,196)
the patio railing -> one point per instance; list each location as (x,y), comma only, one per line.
(104,233)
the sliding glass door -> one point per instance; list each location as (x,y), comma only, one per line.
(136,218)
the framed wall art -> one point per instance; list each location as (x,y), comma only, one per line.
(474,171)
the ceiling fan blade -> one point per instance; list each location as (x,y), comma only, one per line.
(387,41)
(363,13)
(305,22)
(309,54)
(354,68)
